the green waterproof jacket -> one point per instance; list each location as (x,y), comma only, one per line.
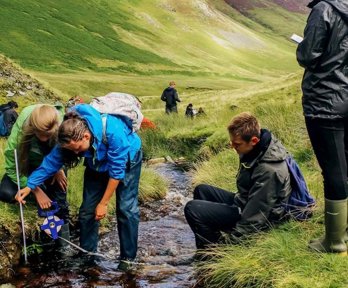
(263,184)
(36,153)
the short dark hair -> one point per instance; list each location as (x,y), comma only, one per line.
(245,125)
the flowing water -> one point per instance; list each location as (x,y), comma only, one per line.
(166,244)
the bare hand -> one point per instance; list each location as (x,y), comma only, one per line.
(22,194)
(41,198)
(61,179)
(100,211)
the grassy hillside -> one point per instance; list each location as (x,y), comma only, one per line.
(99,46)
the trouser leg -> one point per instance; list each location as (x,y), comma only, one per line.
(8,190)
(93,190)
(209,213)
(127,209)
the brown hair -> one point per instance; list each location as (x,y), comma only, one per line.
(72,128)
(44,119)
(244,125)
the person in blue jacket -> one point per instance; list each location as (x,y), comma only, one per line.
(112,156)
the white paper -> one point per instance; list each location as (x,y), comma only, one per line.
(296,38)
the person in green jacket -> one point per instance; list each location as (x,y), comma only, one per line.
(263,185)
(33,135)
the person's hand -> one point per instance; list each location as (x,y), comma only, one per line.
(22,194)
(41,198)
(100,211)
(61,179)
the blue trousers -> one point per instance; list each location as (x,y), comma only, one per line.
(127,210)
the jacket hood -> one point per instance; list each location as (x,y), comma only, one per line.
(94,121)
(340,5)
(169,89)
(275,152)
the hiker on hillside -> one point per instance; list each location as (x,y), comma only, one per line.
(190,111)
(10,115)
(201,112)
(324,55)
(113,162)
(263,185)
(170,96)
(34,135)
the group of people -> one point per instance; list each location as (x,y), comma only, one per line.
(171,97)
(50,142)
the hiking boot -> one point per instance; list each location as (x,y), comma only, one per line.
(127,266)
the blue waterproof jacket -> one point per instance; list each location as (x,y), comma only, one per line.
(110,153)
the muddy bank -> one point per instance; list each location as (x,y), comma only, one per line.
(166,245)
(10,251)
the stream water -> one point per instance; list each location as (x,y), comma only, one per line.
(166,244)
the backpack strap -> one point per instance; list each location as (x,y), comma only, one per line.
(104,139)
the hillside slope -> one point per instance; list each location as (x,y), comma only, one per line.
(189,37)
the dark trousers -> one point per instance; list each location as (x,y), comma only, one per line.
(211,211)
(171,109)
(329,141)
(9,189)
(127,210)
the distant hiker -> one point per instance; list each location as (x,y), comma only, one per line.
(201,112)
(170,96)
(8,116)
(112,156)
(190,112)
(263,185)
(34,135)
(324,55)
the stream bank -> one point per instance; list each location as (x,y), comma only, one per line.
(166,245)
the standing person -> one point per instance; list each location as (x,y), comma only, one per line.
(263,184)
(113,158)
(170,96)
(324,55)
(34,135)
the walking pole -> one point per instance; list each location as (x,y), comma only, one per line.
(21,210)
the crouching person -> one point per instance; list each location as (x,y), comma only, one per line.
(263,184)
(34,135)
(113,157)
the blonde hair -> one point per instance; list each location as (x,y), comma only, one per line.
(244,125)
(171,83)
(44,119)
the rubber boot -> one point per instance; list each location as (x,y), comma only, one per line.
(335,229)
(346,234)
(64,247)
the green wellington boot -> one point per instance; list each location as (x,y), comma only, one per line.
(335,229)
(345,237)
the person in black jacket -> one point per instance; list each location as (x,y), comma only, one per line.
(324,55)
(170,96)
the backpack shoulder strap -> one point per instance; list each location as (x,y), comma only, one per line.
(104,118)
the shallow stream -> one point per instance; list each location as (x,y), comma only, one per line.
(166,244)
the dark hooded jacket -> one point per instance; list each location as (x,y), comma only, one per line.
(263,184)
(324,55)
(170,96)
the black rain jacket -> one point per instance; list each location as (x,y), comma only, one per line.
(324,55)
(170,96)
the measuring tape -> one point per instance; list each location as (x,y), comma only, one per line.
(52,224)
